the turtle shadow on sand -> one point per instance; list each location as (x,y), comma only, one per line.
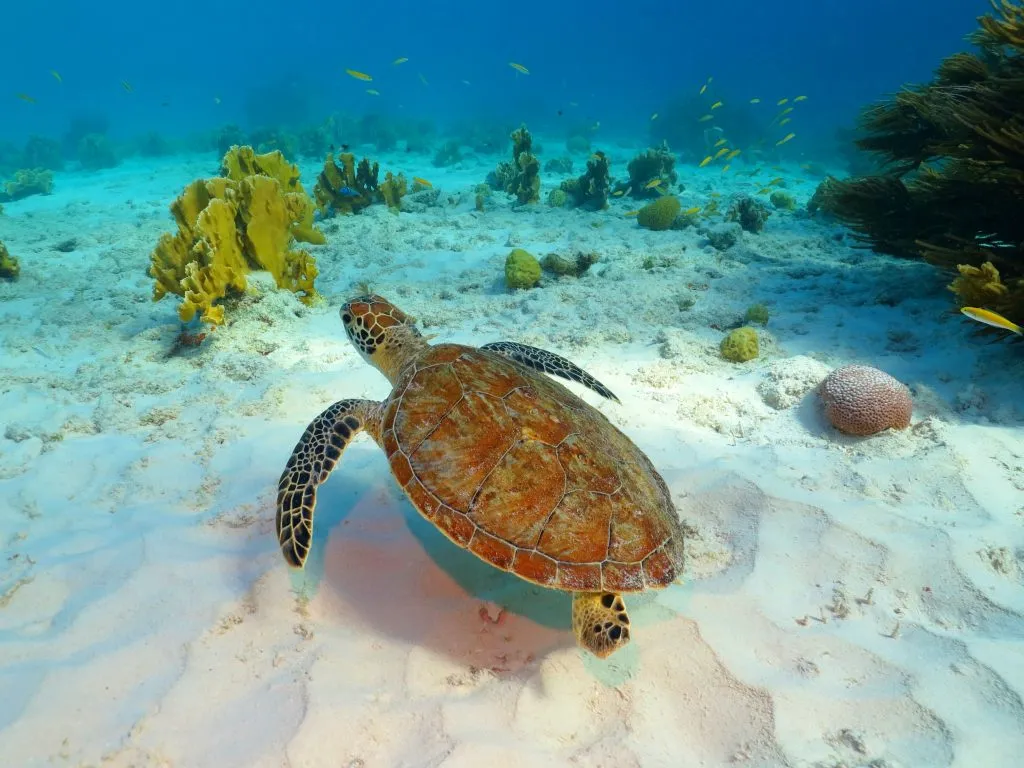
(404,579)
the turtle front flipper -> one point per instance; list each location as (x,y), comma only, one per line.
(600,622)
(549,363)
(315,455)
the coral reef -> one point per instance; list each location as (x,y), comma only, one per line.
(757,313)
(229,136)
(558,198)
(591,190)
(347,188)
(751,214)
(448,154)
(96,152)
(393,189)
(228,227)
(659,215)
(740,345)
(522,270)
(954,155)
(9,267)
(576,266)
(35,181)
(648,166)
(558,165)
(861,400)
(578,143)
(41,152)
(783,201)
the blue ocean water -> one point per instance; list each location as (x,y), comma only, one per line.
(616,64)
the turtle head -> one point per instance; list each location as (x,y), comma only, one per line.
(385,336)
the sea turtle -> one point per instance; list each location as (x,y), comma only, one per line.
(507,462)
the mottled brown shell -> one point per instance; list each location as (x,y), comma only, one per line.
(513,466)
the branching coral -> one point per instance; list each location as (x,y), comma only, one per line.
(522,179)
(226,229)
(347,188)
(750,213)
(591,190)
(954,149)
(649,166)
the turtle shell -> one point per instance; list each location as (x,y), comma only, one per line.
(513,466)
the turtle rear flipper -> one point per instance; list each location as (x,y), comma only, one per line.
(312,460)
(548,362)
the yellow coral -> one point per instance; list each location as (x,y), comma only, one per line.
(9,268)
(227,228)
(978,286)
(660,214)
(393,189)
(241,162)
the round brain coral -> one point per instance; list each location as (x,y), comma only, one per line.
(861,400)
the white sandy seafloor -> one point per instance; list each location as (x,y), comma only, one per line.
(847,602)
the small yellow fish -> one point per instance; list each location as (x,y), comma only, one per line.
(722,151)
(652,184)
(618,193)
(755,101)
(715,195)
(726,167)
(26,98)
(519,68)
(785,120)
(800,98)
(422,78)
(733,154)
(764,190)
(706,118)
(994,319)
(127,86)
(784,139)
(716,105)
(702,89)
(691,211)
(420,180)
(373,91)
(631,213)
(56,76)
(780,102)
(720,142)
(776,181)
(358,75)
(654,116)
(400,60)
(786,111)
(705,161)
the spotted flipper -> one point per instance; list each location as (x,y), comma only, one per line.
(315,455)
(549,363)
(600,622)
